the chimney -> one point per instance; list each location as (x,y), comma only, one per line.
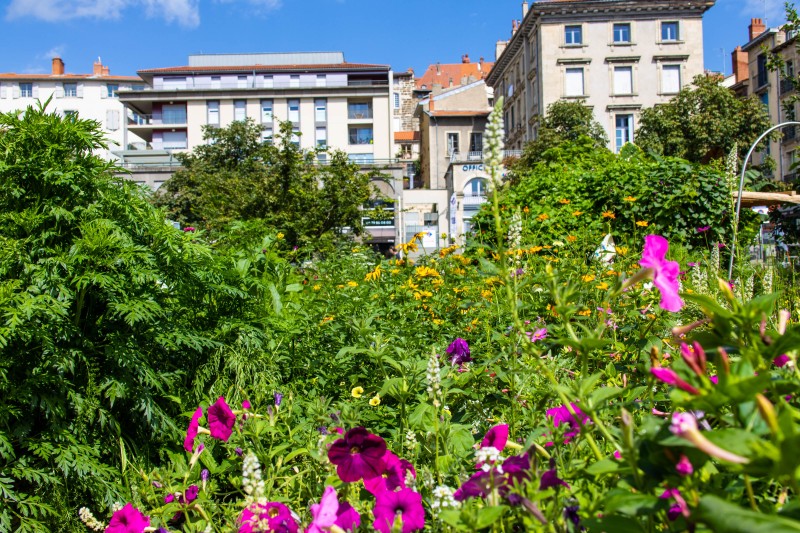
(524,9)
(499,48)
(514,27)
(756,27)
(739,64)
(58,67)
(465,58)
(106,71)
(98,68)
(438,68)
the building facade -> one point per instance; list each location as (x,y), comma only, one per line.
(89,96)
(616,56)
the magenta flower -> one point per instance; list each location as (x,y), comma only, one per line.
(221,420)
(246,404)
(459,352)
(405,505)
(670,377)
(128,520)
(684,425)
(393,478)
(537,335)
(169,498)
(274,515)
(550,479)
(323,514)
(347,518)
(191,494)
(496,437)
(514,470)
(665,273)
(695,357)
(191,431)
(781,361)
(703,229)
(561,415)
(684,467)
(189,228)
(359,455)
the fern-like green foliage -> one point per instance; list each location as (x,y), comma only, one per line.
(106,312)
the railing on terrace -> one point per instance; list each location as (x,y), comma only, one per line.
(789,133)
(467,157)
(192,86)
(474,201)
(786,86)
(359,114)
(155,120)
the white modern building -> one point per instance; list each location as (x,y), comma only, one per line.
(616,56)
(90,96)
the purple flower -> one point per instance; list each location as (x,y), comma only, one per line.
(562,415)
(393,478)
(702,229)
(404,504)
(781,360)
(246,404)
(157,485)
(691,264)
(189,228)
(496,437)
(359,455)
(238,451)
(128,520)
(459,352)
(276,516)
(515,470)
(684,425)
(571,514)
(665,273)
(278,399)
(221,420)
(347,518)
(684,467)
(169,498)
(191,494)
(537,335)
(191,431)
(668,376)
(204,474)
(695,357)
(550,479)
(679,508)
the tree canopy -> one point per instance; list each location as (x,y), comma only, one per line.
(237,177)
(703,122)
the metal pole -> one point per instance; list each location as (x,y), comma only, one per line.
(741,187)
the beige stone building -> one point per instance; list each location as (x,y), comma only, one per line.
(617,56)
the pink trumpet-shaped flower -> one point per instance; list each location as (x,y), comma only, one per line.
(191,431)
(360,454)
(665,273)
(496,437)
(323,514)
(405,505)
(128,520)
(668,376)
(684,466)
(695,357)
(684,425)
(221,420)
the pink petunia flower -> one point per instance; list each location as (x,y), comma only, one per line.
(684,467)
(191,431)
(405,505)
(221,420)
(781,361)
(393,477)
(496,437)
(128,520)
(670,377)
(323,514)
(274,515)
(561,415)
(665,273)
(359,455)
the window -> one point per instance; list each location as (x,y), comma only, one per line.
(622,33)
(295,140)
(476,142)
(213,112)
(322,137)
(452,143)
(241,82)
(294,111)
(267,116)
(322,80)
(476,188)
(26,90)
(573,35)
(359,110)
(623,80)
(70,114)
(624,130)
(266,135)
(397,100)
(173,114)
(320,110)
(574,82)
(112,90)
(764,97)
(762,72)
(362,159)
(239,110)
(361,135)
(294,80)
(137,88)
(71,90)
(174,140)
(269,82)
(670,79)
(669,31)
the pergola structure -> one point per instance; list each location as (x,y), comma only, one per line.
(753,199)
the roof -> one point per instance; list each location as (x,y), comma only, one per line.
(457,73)
(460,113)
(406,136)
(264,68)
(66,77)
(267,58)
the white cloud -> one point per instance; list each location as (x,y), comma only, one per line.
(56,51)
(184,12)
(773,10)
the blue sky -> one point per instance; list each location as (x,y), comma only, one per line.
(134,34)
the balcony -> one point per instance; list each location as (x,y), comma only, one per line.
(359,114)
(789,133)
(473,201)
(261,84)
(171,119)
(787,86)
(472,157)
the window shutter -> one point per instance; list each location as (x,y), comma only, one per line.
(36,90)
(15,91)
(60,90)
(670,79)
(2,91)
(623,80)
(574,82)
(112,120)
(104,91)
(80,90)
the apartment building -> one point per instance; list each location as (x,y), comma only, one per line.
(90,96)
(617,56)
(778,94)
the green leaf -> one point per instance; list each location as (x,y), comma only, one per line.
(628,503)
(613,524)
(489,515)
(726,517)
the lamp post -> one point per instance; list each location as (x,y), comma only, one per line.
(741,186)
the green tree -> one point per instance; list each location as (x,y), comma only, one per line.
(702,123)
(236,177)
(564,122)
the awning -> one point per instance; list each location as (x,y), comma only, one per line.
(752,199)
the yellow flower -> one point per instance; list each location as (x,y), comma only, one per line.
(420,235)
(486,294)
(419,295)
(642,223)
(355,250)
(611,273)
(543,217)
(357,392)
(352,284)
(410,246)
(395,271)
(438,282)
(602,285)
(459,271)
(563,201)
(425,272)
(327,319)
(279,236)
(375,401)
(609,214)
(577,213)
(535,249)
(526,210)
(340,286)
(374,275)
(629,199)
(438,321)
(587,278)
(585,312)
(317,287)
(444,252)
(622,250)
(572,238)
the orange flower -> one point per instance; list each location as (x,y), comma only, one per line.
(572,238)
(585,312)
(629,199)
(563,201)
(577,213)
(543,217)
(609,214)
(642,223)
(587,278)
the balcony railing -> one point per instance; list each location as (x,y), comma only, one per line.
(787,85)
(156,120)
(468,157)
(356,115)
(474,201)
(789,133)
(261,84)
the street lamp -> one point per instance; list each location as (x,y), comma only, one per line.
(741,186)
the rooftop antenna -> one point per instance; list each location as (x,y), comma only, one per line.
(722,57)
